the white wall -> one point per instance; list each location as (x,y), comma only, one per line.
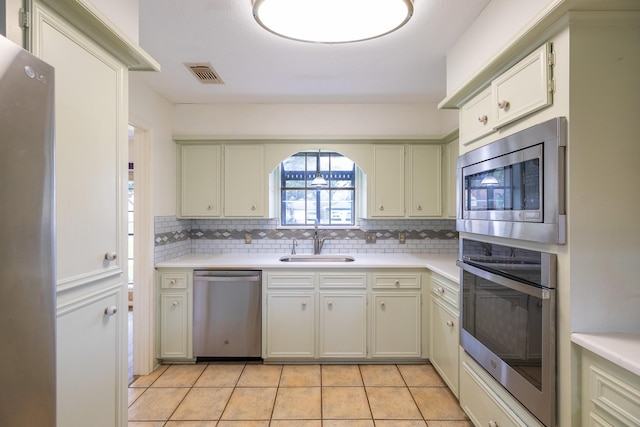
(493,29)
(314,120)
(153,113)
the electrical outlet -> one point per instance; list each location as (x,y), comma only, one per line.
(370,237)
(402,237)
(247,238)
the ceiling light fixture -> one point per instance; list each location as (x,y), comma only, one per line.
(332,21)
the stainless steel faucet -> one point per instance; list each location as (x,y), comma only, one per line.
(293,246)
(317,242)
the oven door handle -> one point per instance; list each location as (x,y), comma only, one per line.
(542,293)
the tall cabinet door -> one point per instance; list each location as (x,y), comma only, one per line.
(91,136)
(424,180)
(387,190)
(245,184)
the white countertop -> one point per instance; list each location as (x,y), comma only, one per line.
(442,264)
(623,349)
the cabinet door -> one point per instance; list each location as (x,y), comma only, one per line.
(89,362)
(199,172)
(290,325)
(244,181)
(424,180)
(343,325)
(396,324)
(476,117)
(445,343)
(387,190)
(174,327)
(524,88)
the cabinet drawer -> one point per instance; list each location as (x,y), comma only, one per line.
(445,290)
(524,88)
(357,281)
(174,281)
(476,117)
(275,281)
(396,281)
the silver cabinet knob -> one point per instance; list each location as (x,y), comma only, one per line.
(503,105)
(450,323)
(483,119)
(440,291)
(419,207)
(492,423)
(111,310)
(109,256)
(209,207)
(253,207)
(381,207)
(304,304)
(175,303)
(382,304)
(397,283)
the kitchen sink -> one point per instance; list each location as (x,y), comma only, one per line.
(317,258)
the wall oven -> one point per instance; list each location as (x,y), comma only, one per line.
(508,320)
(514,187)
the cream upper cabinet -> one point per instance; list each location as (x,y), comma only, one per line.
(477,117)
(424,180)
(199,186)
(524,88)
(245,183)
(521,90)
(386,193)
(406,181)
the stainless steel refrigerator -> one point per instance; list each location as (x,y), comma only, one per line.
(27,250)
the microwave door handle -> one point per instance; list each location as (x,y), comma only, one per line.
(511,284)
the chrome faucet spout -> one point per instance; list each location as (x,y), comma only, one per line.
(317,242)
(293,246)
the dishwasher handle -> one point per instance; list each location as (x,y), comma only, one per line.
(227,278)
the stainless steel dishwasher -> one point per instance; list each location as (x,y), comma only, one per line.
(227,314)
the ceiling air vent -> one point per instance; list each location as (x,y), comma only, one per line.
(204,72)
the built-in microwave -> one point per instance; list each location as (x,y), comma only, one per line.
(515,187)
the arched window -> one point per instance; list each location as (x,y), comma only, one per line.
(305,204)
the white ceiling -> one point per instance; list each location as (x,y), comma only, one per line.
(407,66)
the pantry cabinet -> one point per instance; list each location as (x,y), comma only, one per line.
(445,330)
(92,61)
(199,183)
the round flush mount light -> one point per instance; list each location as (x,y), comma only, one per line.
(332,21)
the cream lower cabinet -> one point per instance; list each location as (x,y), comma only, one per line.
(175,290)
(289,319)
(610,393)
(326,315)
(396,329)
(486,402)
(343,325)
(445,330)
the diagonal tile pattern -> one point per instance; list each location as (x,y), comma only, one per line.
(258,395)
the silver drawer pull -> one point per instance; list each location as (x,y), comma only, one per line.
(503,105)
(109,256)
(483,119)
(111,310)
(450,323)
(440,291)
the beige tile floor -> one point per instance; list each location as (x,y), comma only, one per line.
(257,395)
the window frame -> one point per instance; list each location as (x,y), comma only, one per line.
(318,193)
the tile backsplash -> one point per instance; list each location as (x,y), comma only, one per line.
(175,237)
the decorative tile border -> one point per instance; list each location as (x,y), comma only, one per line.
(175,237)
